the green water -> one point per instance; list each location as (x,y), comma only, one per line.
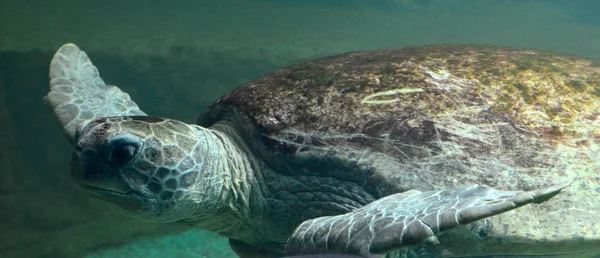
(175,58)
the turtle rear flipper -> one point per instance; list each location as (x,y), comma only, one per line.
(78,94)
(406,219)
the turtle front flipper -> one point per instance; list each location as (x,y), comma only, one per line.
(406,219)
(78,94)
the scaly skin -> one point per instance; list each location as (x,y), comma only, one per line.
(173,171)
(165,170)
(78,94)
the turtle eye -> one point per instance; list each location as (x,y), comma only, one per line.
(122,152)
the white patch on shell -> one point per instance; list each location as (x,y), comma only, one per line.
(442,80)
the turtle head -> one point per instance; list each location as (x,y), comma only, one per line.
(146,165)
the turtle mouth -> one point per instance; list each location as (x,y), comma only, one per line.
(104,191)
(99,192)
(101,180)
(129,200)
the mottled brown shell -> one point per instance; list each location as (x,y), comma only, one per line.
(441,116)
(541,92)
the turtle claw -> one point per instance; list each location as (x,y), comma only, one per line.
(78,94)
(407,219)
(542,195)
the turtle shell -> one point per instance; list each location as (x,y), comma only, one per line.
(431,117)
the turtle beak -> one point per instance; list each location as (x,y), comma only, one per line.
(105,183)
(88,170)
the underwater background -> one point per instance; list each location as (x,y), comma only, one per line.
(175,57)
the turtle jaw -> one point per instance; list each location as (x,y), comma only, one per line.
(130,201)
(88,171)
(104,183)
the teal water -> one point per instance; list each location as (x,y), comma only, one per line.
(175,58)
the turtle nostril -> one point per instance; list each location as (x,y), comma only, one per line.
(91,172)
(89,169)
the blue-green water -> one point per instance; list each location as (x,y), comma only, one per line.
(175,57)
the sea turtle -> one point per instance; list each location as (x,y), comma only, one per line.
(370,153)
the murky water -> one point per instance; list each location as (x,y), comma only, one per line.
(176,57)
